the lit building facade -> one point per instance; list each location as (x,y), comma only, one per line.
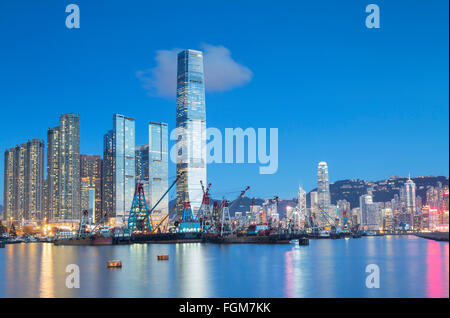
(91,183)
(191,129)
(24,181)
(63,169)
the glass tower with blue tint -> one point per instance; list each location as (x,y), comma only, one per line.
(158,169)
(191,129)
(119,168)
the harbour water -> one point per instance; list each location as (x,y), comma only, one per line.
(409,267)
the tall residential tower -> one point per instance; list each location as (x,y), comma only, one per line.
(63,169)
(24,181)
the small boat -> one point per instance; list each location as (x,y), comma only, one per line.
(114,264)
(163,257)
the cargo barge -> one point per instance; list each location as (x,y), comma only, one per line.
(232,239)
(162,238)
(89,240)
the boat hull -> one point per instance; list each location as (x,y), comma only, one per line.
(93,241)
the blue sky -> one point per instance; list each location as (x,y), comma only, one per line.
(370,102)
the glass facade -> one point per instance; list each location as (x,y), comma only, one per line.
(119,168)
(191,129)
(158,169)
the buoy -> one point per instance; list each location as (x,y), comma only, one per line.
(163,257)
(114,264)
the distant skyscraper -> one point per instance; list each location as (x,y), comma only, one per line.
(63,169)
(119,169)
(24,181)
(91,182)
(323,186)
(158,169)
(191,129)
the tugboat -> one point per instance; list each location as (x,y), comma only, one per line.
(101,237)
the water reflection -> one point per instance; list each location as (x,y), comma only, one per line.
(410,267)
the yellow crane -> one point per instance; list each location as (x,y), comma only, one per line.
(162,221)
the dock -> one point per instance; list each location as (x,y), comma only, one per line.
(437,236)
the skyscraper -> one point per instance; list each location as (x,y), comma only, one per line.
(24,180)
(63,169)
(158,169)
(91,186)
(191,129)
(119,169)
(323,186)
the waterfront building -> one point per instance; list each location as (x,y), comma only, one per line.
(63,169)
(24,181)
(370,219)
(119,169)
(191,129)
(91,186)
(387,219)
(356,216)
(158,167)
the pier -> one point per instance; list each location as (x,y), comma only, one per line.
(437,236)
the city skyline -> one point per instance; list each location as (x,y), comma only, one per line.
(365,100)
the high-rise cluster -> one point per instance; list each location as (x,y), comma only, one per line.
(105,186)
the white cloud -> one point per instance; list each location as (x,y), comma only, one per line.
(222,73)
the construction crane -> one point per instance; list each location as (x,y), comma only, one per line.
(225,213)
(164,218)
(338,229)
(240,196)
(133,218)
